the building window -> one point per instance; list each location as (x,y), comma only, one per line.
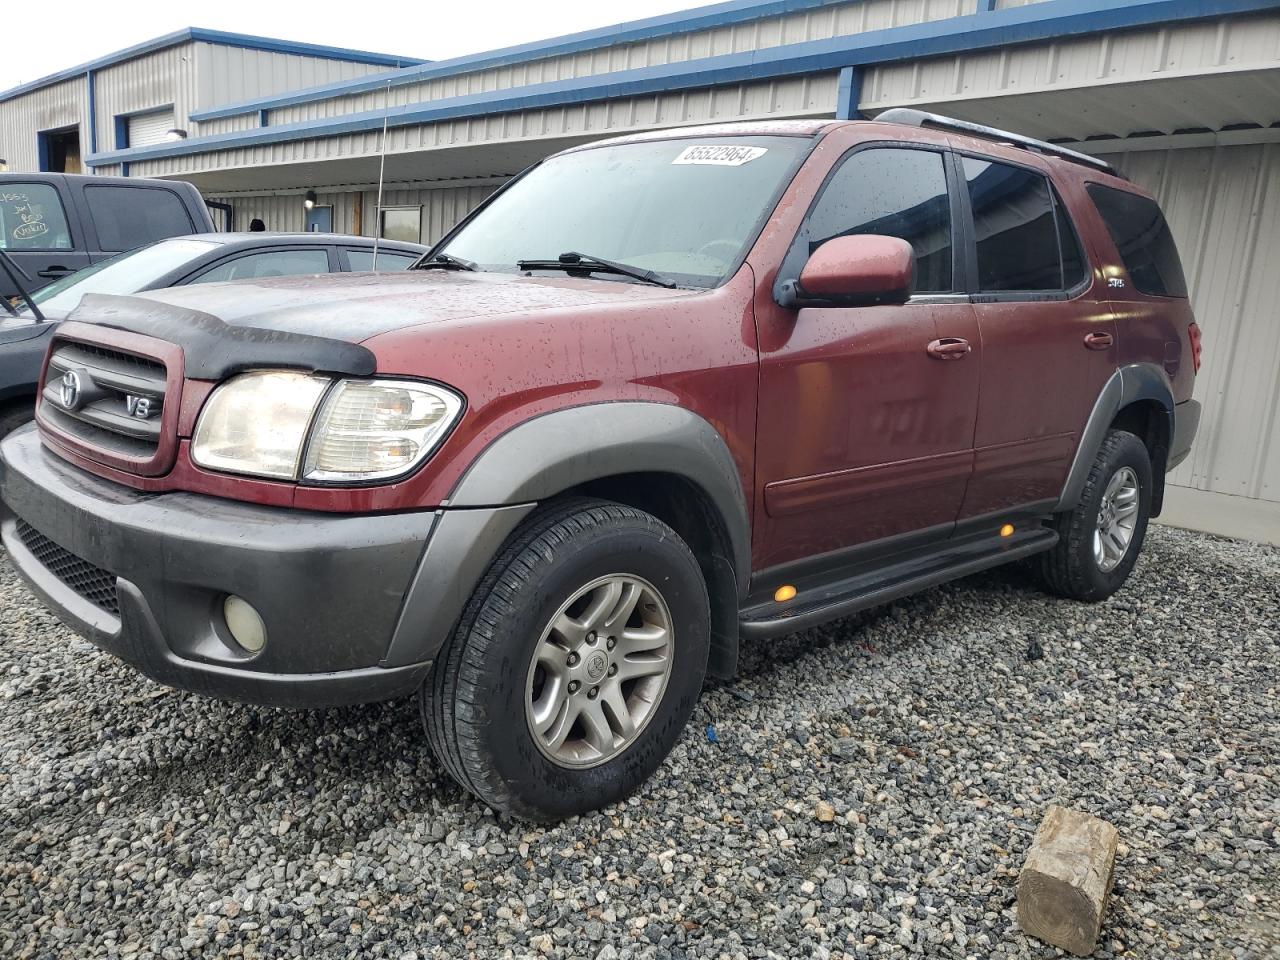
(401,223)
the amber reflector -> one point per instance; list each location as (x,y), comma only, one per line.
(1006,530)
(783,594)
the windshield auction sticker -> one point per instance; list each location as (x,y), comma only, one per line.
(720,155)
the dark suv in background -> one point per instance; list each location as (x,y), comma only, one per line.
(656,395)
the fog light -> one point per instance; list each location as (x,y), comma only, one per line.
(246,626)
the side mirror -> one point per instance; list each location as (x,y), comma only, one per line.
(857,270)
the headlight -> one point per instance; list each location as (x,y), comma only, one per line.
(296,426)
(375,429)
(258,423)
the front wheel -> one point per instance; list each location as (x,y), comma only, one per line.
(1099,541)
(576,665)
(11,418)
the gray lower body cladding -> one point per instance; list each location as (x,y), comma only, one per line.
(332,590)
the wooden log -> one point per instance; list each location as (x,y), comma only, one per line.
(1066,880)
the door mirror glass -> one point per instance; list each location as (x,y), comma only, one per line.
(857,270)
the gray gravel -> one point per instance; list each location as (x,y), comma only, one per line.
(142,822)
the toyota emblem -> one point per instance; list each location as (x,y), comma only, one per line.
(70,390)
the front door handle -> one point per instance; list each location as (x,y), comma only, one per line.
(54,273)
(1098,341)
(949,348)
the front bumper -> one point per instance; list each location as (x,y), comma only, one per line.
(336,592)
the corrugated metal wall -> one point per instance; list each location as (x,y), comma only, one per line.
(836,19)
(144,83)
(805,96)
(232,74)
(1004,77)
(441,208)
(187,77)
(60,105)
(1223,206)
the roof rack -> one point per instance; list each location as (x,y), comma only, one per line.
(920,118)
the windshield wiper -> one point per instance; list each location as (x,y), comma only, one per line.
(573,262)
(12,268)
(446,261)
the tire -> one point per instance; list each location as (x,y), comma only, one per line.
(11,418)
(478,703)
(1073,568)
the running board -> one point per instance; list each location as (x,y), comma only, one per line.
(818,603)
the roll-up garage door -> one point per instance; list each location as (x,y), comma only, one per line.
(145,128)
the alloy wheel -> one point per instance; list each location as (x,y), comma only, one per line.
(599,671)
(1117,519)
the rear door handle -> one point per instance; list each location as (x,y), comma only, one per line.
(1098,341)
(54,273)
(949,348)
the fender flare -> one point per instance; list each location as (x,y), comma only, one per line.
(563,449)
(1129,384)
(541,458)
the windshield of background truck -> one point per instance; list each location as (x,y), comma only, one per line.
(686,208)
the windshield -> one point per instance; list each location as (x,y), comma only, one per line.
(125,273)
(687,209)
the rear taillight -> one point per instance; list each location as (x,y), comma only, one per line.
(1193,332)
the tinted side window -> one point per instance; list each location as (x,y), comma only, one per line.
(362,260)
(1014,227)
(128,217)
(32,218)
(1143,238)
(277,263)
(897,193)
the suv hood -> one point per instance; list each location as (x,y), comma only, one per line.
(357,306)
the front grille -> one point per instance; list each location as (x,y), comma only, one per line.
(105,398)
(93,583)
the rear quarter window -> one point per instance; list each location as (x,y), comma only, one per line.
(32,218)
(1143,239)
(128,217)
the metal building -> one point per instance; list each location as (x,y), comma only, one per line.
(1182,95)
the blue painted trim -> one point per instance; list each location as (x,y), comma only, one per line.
(263,118)
(42,151)
(986,6)
(92,93)
(1053,19)
(124,169)
(121,124)
(272,45)
(849,94)
(635,31)
(213,36)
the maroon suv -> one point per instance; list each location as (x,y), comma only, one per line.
(658,394)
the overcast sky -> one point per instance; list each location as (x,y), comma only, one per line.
(37,39)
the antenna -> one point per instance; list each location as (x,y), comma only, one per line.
(382,170)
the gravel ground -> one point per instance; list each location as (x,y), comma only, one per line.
(142,822)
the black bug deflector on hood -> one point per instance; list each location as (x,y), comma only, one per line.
(215,350)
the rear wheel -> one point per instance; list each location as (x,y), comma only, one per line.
(576,665)
(1099,541)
